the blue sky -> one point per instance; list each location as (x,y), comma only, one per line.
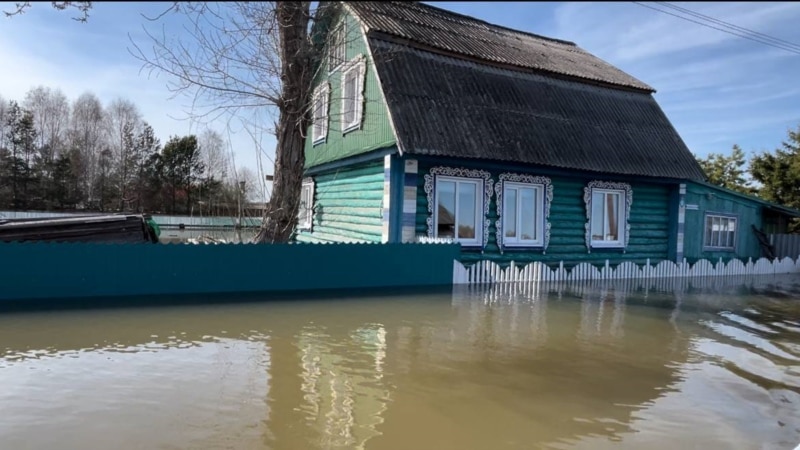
(717,89)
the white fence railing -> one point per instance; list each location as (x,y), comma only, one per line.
(487,272)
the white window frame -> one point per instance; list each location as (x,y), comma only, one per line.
(623,215)
(484,189)
(357,66)
(544,196)
(722,217)
(306,192)
(337,47)
(319,132)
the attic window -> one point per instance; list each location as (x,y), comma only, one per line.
(320,113)
(353,94)
(336,48)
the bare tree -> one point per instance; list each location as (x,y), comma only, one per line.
(213,151)
(251,191)
(124,121)
(87,136)
(82,7)
(249,56)
(51,115)
(3,125)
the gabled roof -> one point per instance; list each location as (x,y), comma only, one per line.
(460,87)
(444,30)
(449,107)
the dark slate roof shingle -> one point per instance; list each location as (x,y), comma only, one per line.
(467,36)
(451,107)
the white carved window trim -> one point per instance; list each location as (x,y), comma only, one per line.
(545,198)
(305,218)
(337,46)
(627,195)
(727,218)
(321,103)
(357,67)
(451,172)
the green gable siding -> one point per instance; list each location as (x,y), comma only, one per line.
(649,220)
(375,131)
(710,200)
(347,205)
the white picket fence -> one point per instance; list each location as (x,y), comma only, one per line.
(487,272)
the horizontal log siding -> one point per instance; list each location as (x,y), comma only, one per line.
(649,219)
(348,205)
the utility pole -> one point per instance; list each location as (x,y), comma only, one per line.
(241,203)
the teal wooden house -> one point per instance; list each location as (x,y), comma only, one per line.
(432,125)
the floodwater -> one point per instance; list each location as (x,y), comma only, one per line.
(583,366)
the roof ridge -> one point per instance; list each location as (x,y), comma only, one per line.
(434,27)
(445,13)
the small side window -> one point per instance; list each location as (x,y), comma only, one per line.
(305,213)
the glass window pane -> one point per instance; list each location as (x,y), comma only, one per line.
(302,212)
(731,232)
(350,97)
(612,217)
(317,107)
(597,216)
(318,111)
(708,231)
(446,199)
(510,213)
(527,214)
(467,194)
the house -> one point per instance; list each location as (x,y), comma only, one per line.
(428,123)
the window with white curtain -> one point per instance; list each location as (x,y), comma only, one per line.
(459,209)
(523,214)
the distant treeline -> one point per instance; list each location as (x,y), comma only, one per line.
(57,155)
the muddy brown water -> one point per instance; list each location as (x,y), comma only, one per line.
(583,366)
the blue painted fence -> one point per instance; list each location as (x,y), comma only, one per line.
(87,270)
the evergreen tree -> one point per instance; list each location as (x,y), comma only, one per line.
(727,171)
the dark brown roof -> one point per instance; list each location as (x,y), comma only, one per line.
(450,107)
(467,36)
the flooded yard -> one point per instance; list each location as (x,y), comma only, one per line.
(582,366)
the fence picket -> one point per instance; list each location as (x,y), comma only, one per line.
(486,272)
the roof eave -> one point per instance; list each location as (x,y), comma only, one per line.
(769,205)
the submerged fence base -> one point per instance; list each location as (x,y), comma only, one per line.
(487,272)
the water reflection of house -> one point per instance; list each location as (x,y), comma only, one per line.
(547,371)
(518,146)
(438,372)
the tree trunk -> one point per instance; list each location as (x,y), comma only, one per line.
(280,215)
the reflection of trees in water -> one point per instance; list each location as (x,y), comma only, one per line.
(343,393)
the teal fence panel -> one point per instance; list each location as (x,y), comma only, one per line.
(86,270)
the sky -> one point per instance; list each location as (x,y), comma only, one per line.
(716,88)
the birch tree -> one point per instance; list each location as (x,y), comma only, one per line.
(123,121)
(87,137)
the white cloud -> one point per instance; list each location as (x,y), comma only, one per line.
(626,31)
(715,87)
